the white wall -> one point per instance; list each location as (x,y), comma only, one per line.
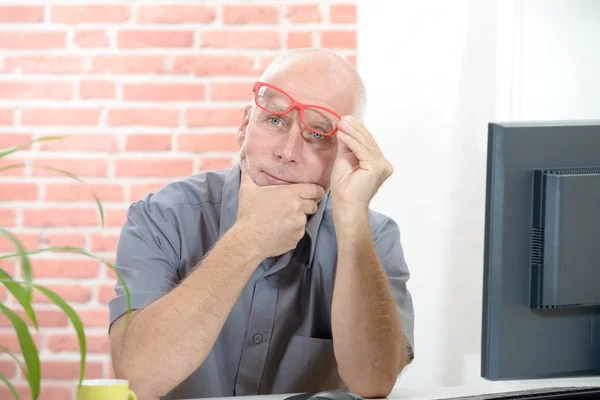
(436,73)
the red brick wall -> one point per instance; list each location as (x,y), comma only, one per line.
(150,92)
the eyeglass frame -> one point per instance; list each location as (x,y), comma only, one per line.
(295,104)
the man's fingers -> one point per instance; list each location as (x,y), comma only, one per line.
(309,191)
(309,207)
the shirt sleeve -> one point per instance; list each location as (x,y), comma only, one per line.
(391,255)
(146,257)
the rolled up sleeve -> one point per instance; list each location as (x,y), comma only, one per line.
(391,255)
(146,256)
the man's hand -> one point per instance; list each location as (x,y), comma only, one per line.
(274,217)
(360,167)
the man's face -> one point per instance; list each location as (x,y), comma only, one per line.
(281,149)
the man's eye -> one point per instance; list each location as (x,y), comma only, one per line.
(317,136)
(275,121)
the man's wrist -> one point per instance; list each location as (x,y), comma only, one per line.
(244,240)
(349,216)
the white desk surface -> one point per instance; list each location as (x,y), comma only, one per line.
(400,393)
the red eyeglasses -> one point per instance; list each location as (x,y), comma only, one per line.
(274,100)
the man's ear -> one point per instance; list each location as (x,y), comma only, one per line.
(241,133)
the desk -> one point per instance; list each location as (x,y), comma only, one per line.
(436,393)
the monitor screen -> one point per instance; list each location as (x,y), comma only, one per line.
(541,289)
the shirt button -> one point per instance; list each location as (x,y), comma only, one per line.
(257,338)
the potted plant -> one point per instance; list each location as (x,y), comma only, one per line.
(22,290)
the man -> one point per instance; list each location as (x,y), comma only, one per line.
(272,276)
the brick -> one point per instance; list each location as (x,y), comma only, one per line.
(8,367)
(14,13)
(61,217)
(241,39)
(207,164)
(6,116)
(97,90)
(49,391)
(175,167)
(143,117)
(70,293)
(18,192)
(342,13)
(68,192)
(148,143)
(65,268)
(8,266)
(60,343)
(338,39)
(297,40)
(138,190)
(28,240)
(176,14)
(129,64)
(96,13)
(64,239)
(90,38)
(154,39)
(231,91)
(60,116)
(88,142)
(214,65)
(51,64)
(81,168)
(35,90)
(8,217)
(265,61)
(12,171)
(213,117)
(32,40)
(14,139)
(163,92)
(67,369)
(303,14)
(250,14)
(94,318)
(201,142)
(104,242)
(106,293)
(115,218)
(11,341)
(53,318)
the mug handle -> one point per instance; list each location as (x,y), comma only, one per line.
(131,395)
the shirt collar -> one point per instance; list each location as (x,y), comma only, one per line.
(229,207)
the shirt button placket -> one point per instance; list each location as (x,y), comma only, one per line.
(256,347)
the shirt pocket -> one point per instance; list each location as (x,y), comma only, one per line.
(308,365)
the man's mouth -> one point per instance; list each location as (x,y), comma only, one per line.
(276,181)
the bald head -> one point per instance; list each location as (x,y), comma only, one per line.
(307,63)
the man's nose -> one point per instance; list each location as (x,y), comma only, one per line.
(289,145)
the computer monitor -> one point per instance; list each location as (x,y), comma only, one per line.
(541,289)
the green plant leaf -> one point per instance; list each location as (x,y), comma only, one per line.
(28,349)
(18,147)
(27,276)
(68,249)
(21,367)
(11,387)
(20,294)
(75,320)
(68,174)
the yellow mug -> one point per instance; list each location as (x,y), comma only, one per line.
(105,389)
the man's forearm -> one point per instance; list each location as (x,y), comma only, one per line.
(367,332)
(165,342)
